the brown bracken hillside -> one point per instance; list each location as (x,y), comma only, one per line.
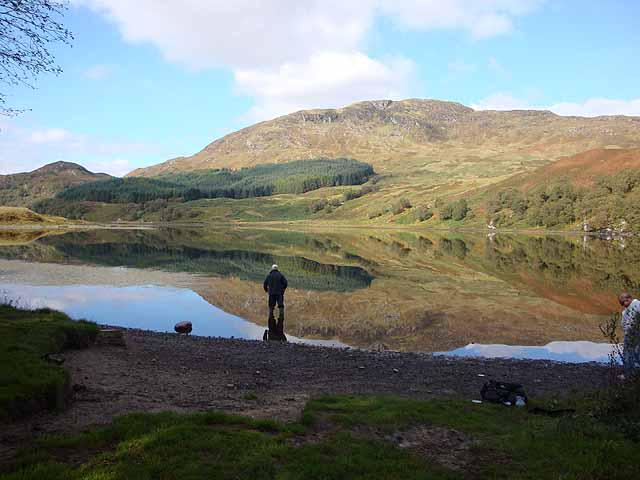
(583,169)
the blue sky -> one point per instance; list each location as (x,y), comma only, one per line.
(149,80)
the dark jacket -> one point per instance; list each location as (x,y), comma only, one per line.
(275,283)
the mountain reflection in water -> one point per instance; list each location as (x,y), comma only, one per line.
(135,252)
(421,291)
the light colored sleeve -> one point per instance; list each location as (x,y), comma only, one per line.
(635,313)
(630,315)
(625,320)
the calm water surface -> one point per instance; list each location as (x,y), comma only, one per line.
(503,295)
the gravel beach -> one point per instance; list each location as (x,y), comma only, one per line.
(159,371)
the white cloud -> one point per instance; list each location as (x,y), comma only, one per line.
(486,18)
(594,107)
(274,47)
(118,167)
(250,34)
(591,107)
(25,149)
(326,80)
(241,33)
(501,101)
(98,72)
(50,135)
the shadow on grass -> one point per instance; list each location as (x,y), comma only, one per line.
(337,438)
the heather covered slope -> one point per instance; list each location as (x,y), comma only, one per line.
(581,170)
(600,188)
(412,134)
(24,189)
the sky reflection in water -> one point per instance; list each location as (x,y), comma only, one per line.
(147,307)
(575,352)
(159,308)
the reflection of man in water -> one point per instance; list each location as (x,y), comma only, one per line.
(631,328)
(275,285)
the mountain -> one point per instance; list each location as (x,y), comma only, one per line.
(411,136)
(24,189)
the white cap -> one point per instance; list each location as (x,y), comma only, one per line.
(274,267)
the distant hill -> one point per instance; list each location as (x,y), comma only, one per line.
(24,189)
(412,136)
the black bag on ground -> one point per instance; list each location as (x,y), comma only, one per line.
(501,392)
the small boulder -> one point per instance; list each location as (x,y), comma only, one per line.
(183,327)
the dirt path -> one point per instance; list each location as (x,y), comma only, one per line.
(158,371)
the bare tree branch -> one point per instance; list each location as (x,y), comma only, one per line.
(27,29)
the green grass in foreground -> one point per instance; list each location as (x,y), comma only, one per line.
(337,438)
(27,382)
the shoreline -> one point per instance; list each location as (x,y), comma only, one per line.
(168,372)
(302,225)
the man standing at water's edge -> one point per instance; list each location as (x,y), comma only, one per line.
(275,285)
(631,329)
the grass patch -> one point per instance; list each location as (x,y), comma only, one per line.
(529,446)
(27,382)
(212,445)
(337,438)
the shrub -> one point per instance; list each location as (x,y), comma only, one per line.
(400,206)
(423,213)
(318,205)
(397,208)
(351,195)
(455,210)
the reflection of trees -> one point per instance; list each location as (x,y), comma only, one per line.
(248,265)
(456,247)
(560,259)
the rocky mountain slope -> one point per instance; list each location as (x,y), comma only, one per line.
(412,135)
(24,189)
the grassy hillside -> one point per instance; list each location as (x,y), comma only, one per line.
(183,197)
(24,216)
(24,189)
(600,187)
(263,180)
